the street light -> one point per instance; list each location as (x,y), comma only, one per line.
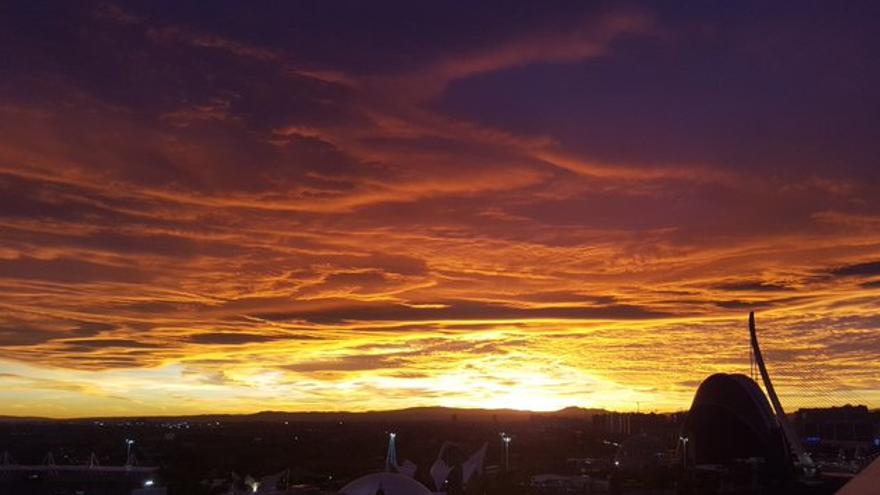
(128,444)
(684,449)
(505,442)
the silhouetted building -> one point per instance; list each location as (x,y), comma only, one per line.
(848,428)
(385,483)
(732,437)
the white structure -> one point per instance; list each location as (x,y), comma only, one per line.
(440,469)
(470,468)
(391,456)
(388,483)
(474,465)
(794,443)
(398,479)
(408,468)
(865,483)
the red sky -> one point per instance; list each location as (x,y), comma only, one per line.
(335,206)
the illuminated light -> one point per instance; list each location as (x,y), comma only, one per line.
(505,439)
(149,483)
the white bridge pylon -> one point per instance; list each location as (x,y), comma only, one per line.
(794,443)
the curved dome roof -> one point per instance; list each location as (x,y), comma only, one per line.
(739,394)
(389,483)
(731,419)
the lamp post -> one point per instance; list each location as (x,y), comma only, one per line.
(128,444)
(684,450)
(505,442)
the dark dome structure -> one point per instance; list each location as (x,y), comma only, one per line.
(731,421)
(384,484)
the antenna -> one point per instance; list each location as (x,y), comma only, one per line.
(794,443)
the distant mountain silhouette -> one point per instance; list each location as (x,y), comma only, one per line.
(397,415)
(12,419)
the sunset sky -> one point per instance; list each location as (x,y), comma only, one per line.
(323,205)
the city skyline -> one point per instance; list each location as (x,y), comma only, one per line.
(334,206)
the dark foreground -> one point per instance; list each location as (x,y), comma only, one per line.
(572,451)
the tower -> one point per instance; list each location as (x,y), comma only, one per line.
(793,441)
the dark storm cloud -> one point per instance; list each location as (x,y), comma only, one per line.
(22,333)
(567,297)
(70,271)
(237,338)
(24,198)
(462,310)
(390,263)
(865,269)
(740,304)
(161,244)
(222,338)
(752,286)
(90,327)
(92,345)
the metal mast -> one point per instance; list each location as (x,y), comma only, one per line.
(794,442)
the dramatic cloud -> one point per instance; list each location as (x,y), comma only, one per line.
(858,270)
(505,205)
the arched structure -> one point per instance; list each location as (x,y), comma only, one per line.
(385,484)
(731,420)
